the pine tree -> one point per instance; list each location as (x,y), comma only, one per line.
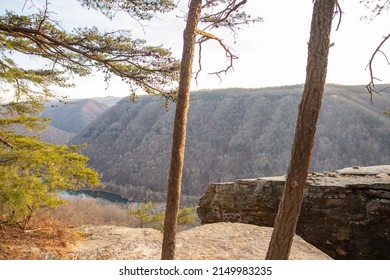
(213,15)
(33,172)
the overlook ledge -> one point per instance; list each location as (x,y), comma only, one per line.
(346,213)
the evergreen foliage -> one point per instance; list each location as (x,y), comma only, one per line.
(32,171)
(142,10)
(148,215)
(145,216)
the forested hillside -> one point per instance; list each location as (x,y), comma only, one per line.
(71,116)
(234,133)
(74,115)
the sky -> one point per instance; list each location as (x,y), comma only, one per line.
(271,53)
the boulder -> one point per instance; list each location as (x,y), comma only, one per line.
(346,214)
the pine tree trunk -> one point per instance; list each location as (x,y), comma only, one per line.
(179,133)
(309,109)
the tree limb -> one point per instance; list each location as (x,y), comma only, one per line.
(230,16)
(150,68)
(228,52)
(225,14)
(339,12)
(370,86)
(6,143)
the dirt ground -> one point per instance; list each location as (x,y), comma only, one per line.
(41,243)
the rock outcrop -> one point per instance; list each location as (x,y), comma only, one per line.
(346,214)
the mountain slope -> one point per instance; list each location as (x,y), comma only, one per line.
(55,136)
(234,133)
(74,115)
(70,117)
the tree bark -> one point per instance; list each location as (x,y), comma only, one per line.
(309,109)
(179,133)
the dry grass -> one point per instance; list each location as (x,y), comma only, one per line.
(81,211)
(45,238)
(50,234)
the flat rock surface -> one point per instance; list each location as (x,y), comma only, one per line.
(219,241)
(350,176)
(365,170)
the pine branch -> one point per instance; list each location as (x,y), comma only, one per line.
(6,142)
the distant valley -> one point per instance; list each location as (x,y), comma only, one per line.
(232,133)
(70,117)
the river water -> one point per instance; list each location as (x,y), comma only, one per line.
(100,195)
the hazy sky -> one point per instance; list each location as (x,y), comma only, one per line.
(271,53)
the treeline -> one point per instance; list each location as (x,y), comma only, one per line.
(234,133)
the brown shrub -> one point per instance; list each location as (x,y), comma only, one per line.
(81,211)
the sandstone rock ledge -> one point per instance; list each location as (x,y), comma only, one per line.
(219,241)
(345,213)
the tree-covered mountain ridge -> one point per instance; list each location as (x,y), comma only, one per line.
(69,117)
(233,133)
